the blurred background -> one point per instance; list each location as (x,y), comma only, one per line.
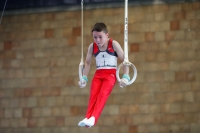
(40,51)
(31,4)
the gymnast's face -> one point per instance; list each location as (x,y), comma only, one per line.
(100,38)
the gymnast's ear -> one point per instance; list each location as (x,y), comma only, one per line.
(107,34)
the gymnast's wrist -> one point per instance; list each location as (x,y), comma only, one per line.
(85,78)
(126,76)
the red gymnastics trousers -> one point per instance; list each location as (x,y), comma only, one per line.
(101,87)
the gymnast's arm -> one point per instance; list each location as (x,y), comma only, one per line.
(120,54)
(88,60)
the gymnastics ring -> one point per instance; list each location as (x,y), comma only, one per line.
(134,70)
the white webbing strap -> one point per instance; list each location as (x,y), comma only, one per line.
(81,65)
(126,61)
(82,30)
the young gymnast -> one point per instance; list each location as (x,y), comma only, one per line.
(106,51)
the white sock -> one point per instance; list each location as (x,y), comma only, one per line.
(90,122)
(82,123)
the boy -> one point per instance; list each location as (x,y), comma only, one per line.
(106,52)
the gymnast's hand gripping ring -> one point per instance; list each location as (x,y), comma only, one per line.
(127,64)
